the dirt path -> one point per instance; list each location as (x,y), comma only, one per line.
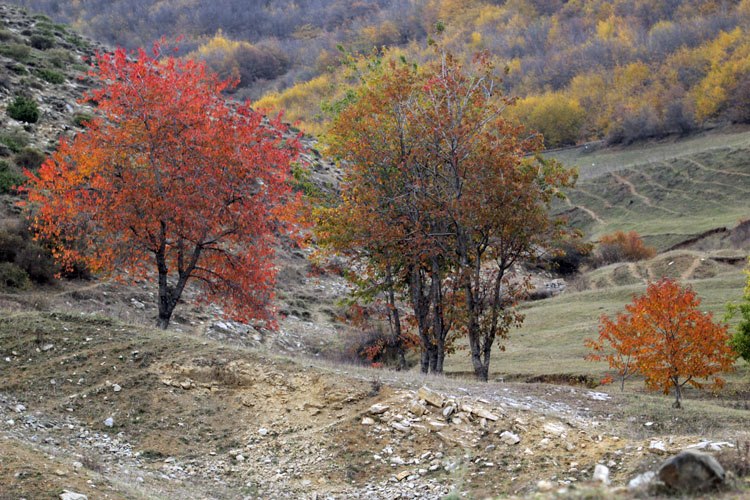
(715,170)
(688,273)
(634,192)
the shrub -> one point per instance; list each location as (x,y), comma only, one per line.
(50,76)
(569,256)
(10,242)
(24,109)
(30,158)
(12,276)
(60,57)
(37,262)
(42,42)
(620,246)
(17,51)
(80,119)
(15,139)
(10,177)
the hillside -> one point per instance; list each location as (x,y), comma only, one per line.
(96,401)
(594,69)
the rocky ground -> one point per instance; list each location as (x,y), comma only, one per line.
(111,410)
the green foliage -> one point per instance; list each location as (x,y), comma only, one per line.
(60,58)
(50,76)
(14,139)
(741,338)
(24,109)
(10,177)
(29,158)
(19,249)
(42,42)
(80,119)
(17,51)
(13,277)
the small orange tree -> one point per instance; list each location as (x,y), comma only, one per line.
(668,340)
(173,180)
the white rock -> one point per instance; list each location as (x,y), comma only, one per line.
(554,428)
(117,387)
(77,465)
(641,480)
(545,485)
(70,495)
(367,421)
(432,397)
(20,408)
(601,474)
(240,458)
(109,422)
(657,447)
(378,409)
(482,413)
(263,431)
(508,437)
(598,396)
(448,411)
(404,426)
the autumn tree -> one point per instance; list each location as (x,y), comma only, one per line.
(665,337)
(173,180)
(445,193)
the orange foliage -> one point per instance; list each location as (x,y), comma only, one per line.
(173,180)
(666,338)
(620,246)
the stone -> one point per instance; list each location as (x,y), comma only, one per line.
(436,426)
(691,471)
(641,481)
(240,458)
(657,447)
(378,409)
(403,475)
(368,421)
(263,431)
(430,396)
(77,465)
(448,411)
(601,474)
(20,408)
(510,438)
(401,426)
(109,422)
(554,428)
(71,495)
(117,387)
(545,485)
(482,413)
(417,408)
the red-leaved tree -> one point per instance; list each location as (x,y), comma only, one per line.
(664,336)
(171,179)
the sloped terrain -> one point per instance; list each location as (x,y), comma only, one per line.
(669,193)
(103,408)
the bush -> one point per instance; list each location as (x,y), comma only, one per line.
(12,276)
(17,248)
(620,246)
(60,57)
(50,76)
(10,177)
(42,42)
(569,256)
(14,139)
(30,158)
(37,262)
(17,51)
(24,109)
(80,119)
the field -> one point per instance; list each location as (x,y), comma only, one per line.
(667,192)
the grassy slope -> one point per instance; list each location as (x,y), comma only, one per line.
(667,192)
(680,189)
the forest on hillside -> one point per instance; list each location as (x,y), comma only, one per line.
(585,69)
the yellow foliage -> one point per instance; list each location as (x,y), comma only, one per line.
(556,116)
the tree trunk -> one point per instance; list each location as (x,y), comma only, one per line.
(395,320)
(678,395)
